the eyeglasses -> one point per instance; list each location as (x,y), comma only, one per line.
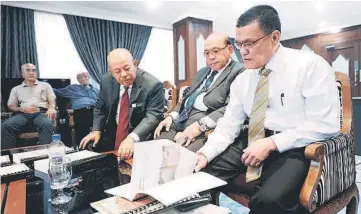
(214,51)
(249,45)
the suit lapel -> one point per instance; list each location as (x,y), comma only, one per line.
(220,79)
(136,89)
(196,85)
(115,88)
(201,80)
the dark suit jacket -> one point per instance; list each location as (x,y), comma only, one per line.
(217,97)
(146,106)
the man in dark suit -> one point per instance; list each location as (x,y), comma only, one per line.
(129,106)
(207,98)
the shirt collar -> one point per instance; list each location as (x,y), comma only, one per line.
(276,62)
(122,87)
(221,70)
(35,83)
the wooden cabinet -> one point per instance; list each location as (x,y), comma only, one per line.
(188,38)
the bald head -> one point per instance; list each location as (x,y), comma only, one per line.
(217,51)
(217,37)
(122,66)
(120,53)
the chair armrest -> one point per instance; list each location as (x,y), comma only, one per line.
(330,159)
(314,153)
(6,115)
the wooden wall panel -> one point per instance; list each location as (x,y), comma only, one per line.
(347,43)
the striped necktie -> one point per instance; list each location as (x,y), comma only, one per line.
(192,98)
(256,128)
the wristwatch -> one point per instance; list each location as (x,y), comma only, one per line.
(203,125)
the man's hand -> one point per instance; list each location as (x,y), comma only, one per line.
(188,135)
(30,110)
(258,151)
(126,148)
(201,162)
(92,136)
(51,113)
(167,122)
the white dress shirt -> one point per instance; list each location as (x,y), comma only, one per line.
(303,103)
(198,103)
(121,92)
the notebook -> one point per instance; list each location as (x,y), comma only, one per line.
(145,205)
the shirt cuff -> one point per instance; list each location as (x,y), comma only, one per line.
(209,122)
(174,115)
(208,151)
(134,136)
(282,141)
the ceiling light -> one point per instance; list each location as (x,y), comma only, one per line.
(334,29)
(152,4)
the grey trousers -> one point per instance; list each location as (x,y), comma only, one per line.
(13,126)
(176,127)
(194,146)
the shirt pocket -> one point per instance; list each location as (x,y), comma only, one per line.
(292,102)
(43,95)
(287,102)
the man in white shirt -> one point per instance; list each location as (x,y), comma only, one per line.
(207,98)
(302,106)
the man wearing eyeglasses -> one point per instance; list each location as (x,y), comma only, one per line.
(291,100)
(207,98)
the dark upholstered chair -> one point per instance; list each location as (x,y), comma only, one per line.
(330,183)
(29,136)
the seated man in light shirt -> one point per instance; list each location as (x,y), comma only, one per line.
(291,99)
(33,102)
(207,98)
(83,98)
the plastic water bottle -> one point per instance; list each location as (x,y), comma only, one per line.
(56,148)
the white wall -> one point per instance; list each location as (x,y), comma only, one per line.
(158,57)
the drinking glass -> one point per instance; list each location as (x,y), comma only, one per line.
(60,172)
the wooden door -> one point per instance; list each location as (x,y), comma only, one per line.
(345,57)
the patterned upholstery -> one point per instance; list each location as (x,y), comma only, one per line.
(182,92)
(168,98)
(338,171)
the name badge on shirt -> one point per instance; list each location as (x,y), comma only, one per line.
(137,105)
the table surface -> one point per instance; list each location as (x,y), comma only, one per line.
(21,193)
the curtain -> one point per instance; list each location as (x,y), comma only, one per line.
(95,38)
(18,44)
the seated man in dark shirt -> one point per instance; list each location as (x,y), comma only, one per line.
(83,98)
